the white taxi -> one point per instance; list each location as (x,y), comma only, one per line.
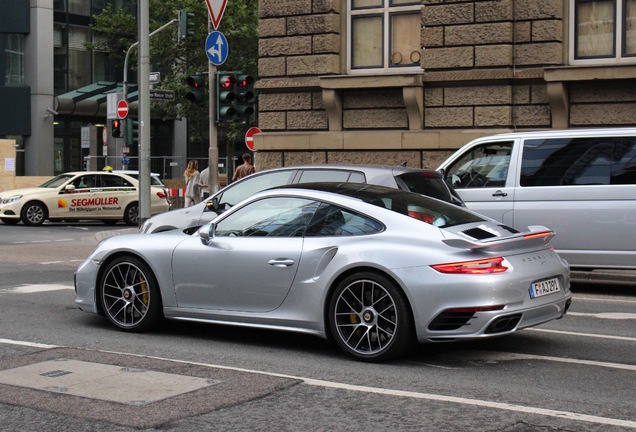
(99,195)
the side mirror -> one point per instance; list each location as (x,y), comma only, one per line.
(69,187)
(207,233)
(212,205)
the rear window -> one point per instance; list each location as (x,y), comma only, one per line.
(426,184)
(319,175)
(417,206)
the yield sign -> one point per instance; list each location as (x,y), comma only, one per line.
(122,109)
(216,9)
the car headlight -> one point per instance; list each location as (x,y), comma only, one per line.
(11,199)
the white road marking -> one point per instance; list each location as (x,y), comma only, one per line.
(601,299)
(606,315)
(29,289)
(621,338)
(567,415)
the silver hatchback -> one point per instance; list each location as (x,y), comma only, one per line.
(425,182)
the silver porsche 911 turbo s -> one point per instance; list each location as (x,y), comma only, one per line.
(372,268)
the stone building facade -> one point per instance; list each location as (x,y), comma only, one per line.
(485,66)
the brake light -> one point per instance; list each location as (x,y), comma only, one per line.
(537,235)
(430,174)
(161,195)
(483,266)
(424,217)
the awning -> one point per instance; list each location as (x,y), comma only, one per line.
(90,101)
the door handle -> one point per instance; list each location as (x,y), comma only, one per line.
(280,262)
(500,194)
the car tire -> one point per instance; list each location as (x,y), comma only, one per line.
(131,214)
(33,213)
(369,317)
(8,221)
(129,294)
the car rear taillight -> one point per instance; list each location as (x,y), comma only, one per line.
(483,266)
(161,195)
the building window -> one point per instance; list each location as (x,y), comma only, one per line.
(604,31)
(383,35)
(79,58)
(14,59)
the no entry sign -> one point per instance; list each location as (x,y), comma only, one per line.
(249,137)
(122,109)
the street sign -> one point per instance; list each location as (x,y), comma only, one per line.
(122,109)
(111,104)
(216,48)
(162,94)
(105,136)
(249,137)
(216,9)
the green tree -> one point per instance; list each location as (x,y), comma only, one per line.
(116,31)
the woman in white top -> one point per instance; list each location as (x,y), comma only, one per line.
(192,193)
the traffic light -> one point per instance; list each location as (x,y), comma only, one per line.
(225,96)
(132,131)
(196,91)
(116,128)
(245,99)
(185,24)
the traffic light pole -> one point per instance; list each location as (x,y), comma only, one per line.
(144,112)
(213,150)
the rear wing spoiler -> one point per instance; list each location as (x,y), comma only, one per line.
(537,236)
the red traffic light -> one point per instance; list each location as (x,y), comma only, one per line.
(245,81)
(116,124)
(227,82)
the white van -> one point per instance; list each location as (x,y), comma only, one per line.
(580,183)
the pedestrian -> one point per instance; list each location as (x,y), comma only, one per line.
(191,174)
(244,170)
(204,183)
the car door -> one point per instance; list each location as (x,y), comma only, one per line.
(250,263)
(114,194)
(484,176)
(76,202)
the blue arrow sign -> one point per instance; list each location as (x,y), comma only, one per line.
(216,48)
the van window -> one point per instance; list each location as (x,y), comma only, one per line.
(579,161)
(483,166)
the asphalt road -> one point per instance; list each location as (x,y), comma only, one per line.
(575,374)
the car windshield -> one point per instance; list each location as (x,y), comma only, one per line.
(57,181)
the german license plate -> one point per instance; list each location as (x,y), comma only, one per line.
(545,287)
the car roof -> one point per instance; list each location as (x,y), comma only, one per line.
(395,169)
(562,133)
(354,190)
